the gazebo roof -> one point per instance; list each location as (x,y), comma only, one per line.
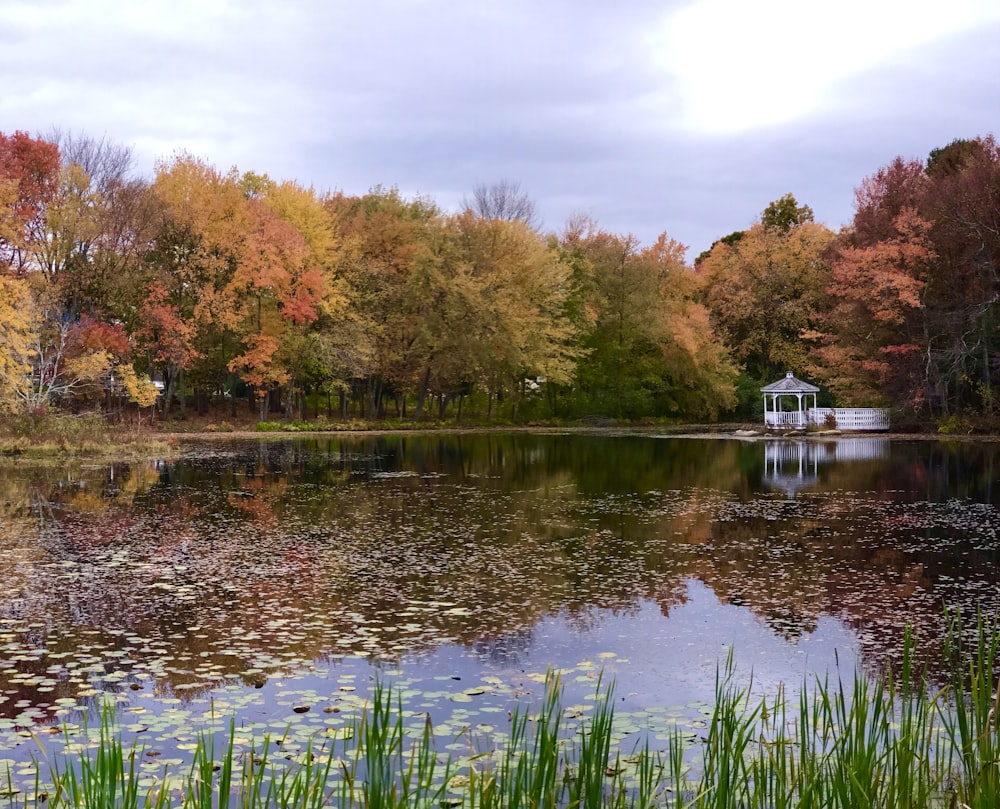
(789,385)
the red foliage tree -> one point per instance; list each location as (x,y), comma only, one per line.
(33,165)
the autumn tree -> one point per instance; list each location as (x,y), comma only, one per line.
(164,334)
(700,370)
(385,260)
(764,291)
(9,220)
(872,336)
(515,324)
(883,196)
(103,224)
(29,173)
(16,337)
(449,304)
(66,363)
(274,290)
(192,263)
(962,202)
(651,349)
(914,298)
(313,348)
(239,278)
(732,239)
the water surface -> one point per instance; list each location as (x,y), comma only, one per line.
(274,580)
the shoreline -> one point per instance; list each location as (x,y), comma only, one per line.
(686,431)
(153,442)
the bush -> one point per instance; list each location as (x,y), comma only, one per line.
(285,427)
(954,425)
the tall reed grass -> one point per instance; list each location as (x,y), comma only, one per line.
(892,743)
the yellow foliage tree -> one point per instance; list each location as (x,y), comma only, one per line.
(764,292)
(139,388)
(16,337)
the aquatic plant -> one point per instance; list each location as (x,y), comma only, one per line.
(890,742)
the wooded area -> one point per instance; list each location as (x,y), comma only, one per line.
(231,292)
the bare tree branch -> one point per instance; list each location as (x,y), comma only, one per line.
(503,200)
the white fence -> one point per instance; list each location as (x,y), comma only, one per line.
(844,418)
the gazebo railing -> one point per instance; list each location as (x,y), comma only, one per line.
(845,418)
(790,419)
(852,418)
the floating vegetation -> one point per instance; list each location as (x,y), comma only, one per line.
(892,742)
(275,581)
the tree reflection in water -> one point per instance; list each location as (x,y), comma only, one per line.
(243,557)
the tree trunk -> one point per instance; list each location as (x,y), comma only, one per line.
(422,393)
(181,398)
(375,397)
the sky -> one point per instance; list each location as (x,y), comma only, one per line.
(647,116)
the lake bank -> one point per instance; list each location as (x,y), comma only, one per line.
(92,436)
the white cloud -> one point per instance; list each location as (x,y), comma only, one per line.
(742,65)
(650,115)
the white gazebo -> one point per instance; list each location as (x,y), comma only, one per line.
(793,394)
(779,394)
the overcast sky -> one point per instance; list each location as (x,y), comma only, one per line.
(684,117)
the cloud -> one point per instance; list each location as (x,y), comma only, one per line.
(687,117)
(743,66)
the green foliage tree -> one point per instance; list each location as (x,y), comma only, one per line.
(514,287)
(651,349)
(785,213)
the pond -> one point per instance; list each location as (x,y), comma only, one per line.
(272,582)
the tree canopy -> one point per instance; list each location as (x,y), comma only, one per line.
(227,287)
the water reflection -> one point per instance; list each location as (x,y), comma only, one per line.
(791,465)
(243,560)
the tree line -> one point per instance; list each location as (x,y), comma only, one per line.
(217,290)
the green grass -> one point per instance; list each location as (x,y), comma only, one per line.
(892,743)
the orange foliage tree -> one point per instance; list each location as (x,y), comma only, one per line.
(873,336)
(915,296)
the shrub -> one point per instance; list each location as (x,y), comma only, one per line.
(954,425)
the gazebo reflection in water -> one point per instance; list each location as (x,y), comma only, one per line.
(790,466)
